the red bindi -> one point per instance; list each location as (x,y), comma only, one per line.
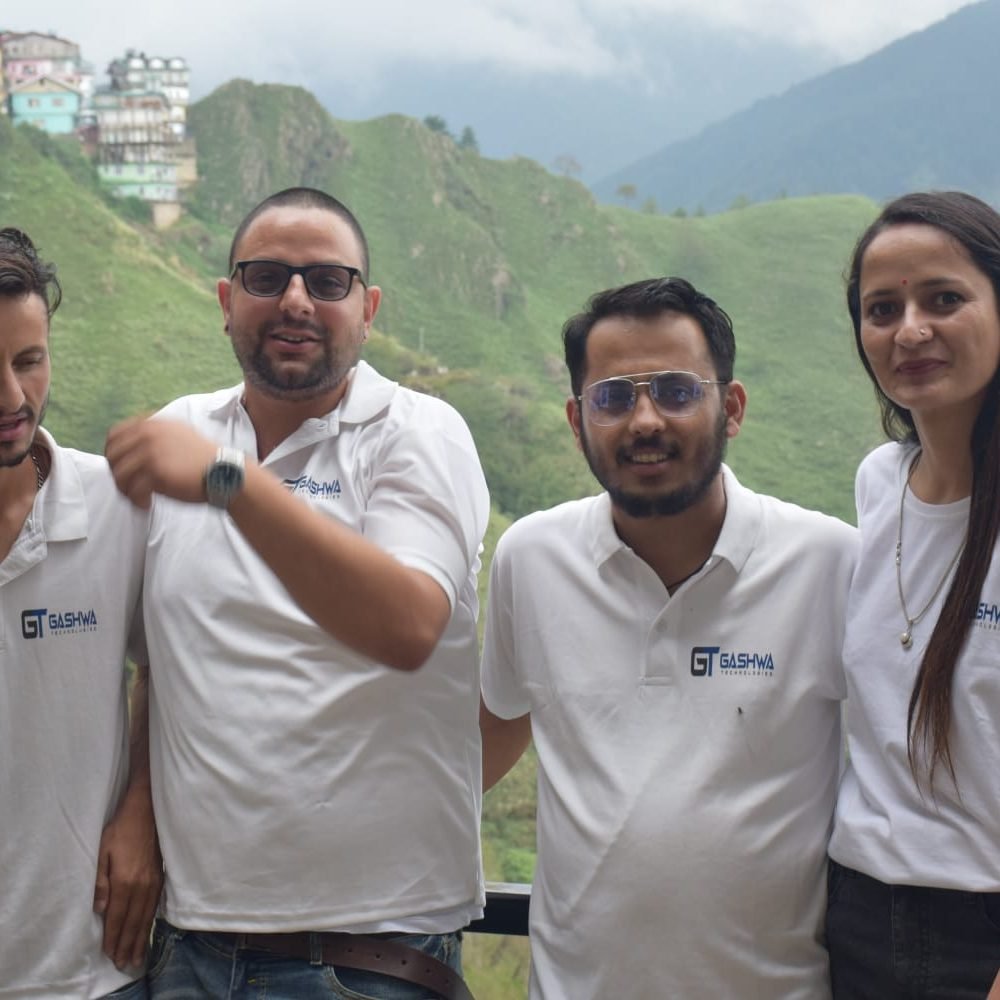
(903,282)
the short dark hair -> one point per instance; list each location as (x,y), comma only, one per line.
(304,197)
(22,273)
(647,300)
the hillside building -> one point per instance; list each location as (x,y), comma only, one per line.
(32,55)
(135,127)
(140,131)
(46,103)
(136,71)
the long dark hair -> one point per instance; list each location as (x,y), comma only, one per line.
(976,228)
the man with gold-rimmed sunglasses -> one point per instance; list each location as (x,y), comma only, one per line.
(673,647)
(311,616)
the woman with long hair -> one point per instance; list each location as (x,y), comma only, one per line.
(914,904)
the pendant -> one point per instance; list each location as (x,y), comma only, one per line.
(905,639)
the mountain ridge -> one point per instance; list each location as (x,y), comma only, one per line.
(929,96)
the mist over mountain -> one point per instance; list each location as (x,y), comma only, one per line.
(920,113)
(671,79)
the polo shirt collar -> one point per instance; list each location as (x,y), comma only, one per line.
(62,503)
(740,529)
(735,542)
(368,394)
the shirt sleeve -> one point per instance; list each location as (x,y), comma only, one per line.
(503,691)
(428,503)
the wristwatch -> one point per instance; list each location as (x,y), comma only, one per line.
(224,477)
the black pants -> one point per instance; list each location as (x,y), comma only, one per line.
(902,942)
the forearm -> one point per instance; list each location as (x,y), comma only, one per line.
(138,737)
(129,868)
(350,587)
(504,741)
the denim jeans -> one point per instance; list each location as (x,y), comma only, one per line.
(134,991)
(902,942)
(191,965)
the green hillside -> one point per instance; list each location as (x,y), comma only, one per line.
(134,328)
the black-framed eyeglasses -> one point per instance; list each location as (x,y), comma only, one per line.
(269,278)
(674,394)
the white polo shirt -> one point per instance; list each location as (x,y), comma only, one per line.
(888,826)
(688,749)
(298,784)
(69,591)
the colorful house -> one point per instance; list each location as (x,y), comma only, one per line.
(136,144)
(31,55)
(46,103)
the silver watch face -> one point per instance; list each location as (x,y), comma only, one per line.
(223,481)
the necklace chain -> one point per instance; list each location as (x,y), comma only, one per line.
(39,475)
(906,637)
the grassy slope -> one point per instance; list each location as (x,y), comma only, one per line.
(132,331)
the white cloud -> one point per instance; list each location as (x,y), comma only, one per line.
(850,28)
(351,41)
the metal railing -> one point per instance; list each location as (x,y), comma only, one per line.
(506,910)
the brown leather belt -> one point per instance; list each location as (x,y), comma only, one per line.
(364,952)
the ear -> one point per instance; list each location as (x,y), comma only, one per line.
(736,407)
(224,291)
(574,416)
(373,297)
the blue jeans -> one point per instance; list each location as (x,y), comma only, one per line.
(134,991)
(191,965)
(902,942)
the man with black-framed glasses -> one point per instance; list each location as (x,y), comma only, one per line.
(310,612)
(673,647)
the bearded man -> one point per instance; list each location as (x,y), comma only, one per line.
(664,644)
(311,616)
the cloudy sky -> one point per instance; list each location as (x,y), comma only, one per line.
(489,63)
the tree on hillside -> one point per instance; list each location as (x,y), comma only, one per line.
(626,192)
(567,165)
(650,207)
(437,124)
(468,140)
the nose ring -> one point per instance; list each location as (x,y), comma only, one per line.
(923,332)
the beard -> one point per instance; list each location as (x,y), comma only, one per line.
(707,458)
(321,377)
(8,461)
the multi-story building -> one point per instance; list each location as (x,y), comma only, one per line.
(136,71)
(135,144)
(31,55)
(46,103)
(141,125)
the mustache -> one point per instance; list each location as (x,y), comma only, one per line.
(302,325)
(655,443)
(27,412)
